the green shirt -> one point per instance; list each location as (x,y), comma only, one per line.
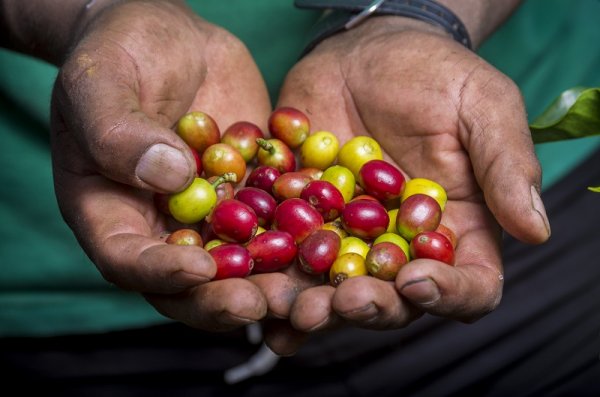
(47,284)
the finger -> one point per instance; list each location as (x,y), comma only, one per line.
(97,96)
(215,306)
(109,221)
(282,288)
(313,311)
(497,137)
(466,291)
(371,303)
(282,338)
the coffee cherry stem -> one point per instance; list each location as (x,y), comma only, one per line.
(266,145)
(226,177)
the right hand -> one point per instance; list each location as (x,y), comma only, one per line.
(135,70)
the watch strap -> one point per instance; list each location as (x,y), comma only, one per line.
(343,11)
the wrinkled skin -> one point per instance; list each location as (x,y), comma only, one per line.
(437,109)
(138,68)
(440,112)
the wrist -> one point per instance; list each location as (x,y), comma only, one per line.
(468,22)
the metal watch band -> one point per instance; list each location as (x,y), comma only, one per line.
(345,12)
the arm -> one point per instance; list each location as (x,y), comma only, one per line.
(46,29)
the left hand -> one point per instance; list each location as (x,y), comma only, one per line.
(440,112)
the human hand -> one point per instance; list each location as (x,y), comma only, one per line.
(440,112)
(137,68)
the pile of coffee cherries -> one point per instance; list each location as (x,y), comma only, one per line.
(260,204)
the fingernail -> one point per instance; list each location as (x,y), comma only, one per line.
(423,291)
(538,206)
(164,167)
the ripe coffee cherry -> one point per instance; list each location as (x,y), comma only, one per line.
(325,197)
(275,153)
(432,245)
(290,185)
(298,218)
(220,158)
(366,219)
(384,261)
(289,125)
(381,180)
(242,137)
(418,213)
(318,251)
(272,250)
(198,130)
(232,260)
(261,202)
(185,237)
(234,221)
(263,177)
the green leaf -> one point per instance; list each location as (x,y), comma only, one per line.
(574,114)
(594,189)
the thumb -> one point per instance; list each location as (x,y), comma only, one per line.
(116,136)
(504,162)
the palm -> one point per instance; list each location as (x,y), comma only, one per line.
(424,99)
(115,99)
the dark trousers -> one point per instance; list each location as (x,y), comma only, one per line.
(544,338)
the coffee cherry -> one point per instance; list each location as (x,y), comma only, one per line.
(418,213)
(198,130)
(354,245)
(298,218)
(213,243)
(336,226)
(192,204)
(342,178)
(425,186)
(234,221)
(366,219)
(318,251)
(272,250)
(381,180)
(432,245)
(232,260)
(449,233)
(220,158)
(277,154)
(289,125)
(319,150)
(263,177)
(394,238)
(185,237)
(242,137)
(357,151)
(290,185)
(261,202)
(347,266)
(314,173)
(325,197)
(384,261)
